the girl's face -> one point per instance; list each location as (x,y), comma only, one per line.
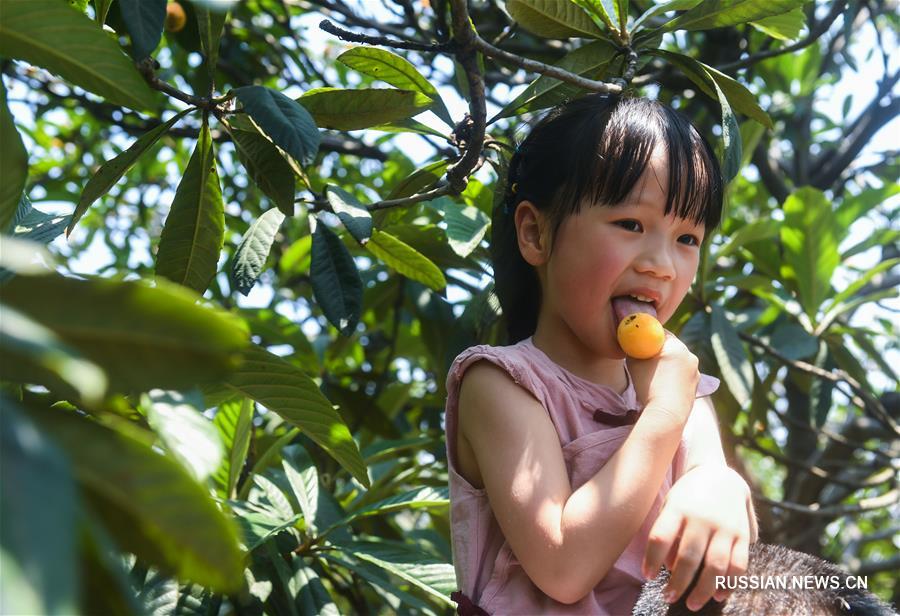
(602,252)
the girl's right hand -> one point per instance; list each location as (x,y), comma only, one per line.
(668,381)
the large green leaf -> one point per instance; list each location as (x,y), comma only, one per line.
(757,230)
(267,167)
(234,421)
(466,225)
(396,71)
(436,578)
(53,35)
(144,20)
(379,579)
(663,7)
(286,123)
(177,417)
(13,164)
(38,226)
(810,236)
(210,23)
(149,502)
(335,280)
(611,12)
(142,337)
(34,354)
(112,170)
(419,498)
(251,254)
(194,232)
(553,19)
(362,108)
(786,27)
(420,179)
(721,13)
(353,214)
(589,61)
(37,536)
(286,390)
(731,357)
(706,77)
(406,260)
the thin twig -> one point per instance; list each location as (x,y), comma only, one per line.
(814,34)
(353,37)
(866,504)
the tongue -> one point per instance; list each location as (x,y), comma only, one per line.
(623,306)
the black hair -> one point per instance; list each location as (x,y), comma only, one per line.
(594,149)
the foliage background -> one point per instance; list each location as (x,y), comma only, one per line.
(154,462)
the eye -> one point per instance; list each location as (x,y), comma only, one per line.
(630,225)
(689,240)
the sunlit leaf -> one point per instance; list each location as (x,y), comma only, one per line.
(253,251)
(85,55)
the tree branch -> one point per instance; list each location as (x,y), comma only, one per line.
(866,504)
(814,34)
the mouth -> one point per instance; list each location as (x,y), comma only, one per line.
(623,305)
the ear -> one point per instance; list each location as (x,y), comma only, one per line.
(532,233)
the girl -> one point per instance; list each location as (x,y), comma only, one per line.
(575,473)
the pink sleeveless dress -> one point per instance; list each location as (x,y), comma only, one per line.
(592,422)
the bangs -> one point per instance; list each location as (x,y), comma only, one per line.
(616,150)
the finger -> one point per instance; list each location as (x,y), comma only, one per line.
(740,560)
(662,538)
(716,563)
(691,548)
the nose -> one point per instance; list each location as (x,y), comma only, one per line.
(656,260)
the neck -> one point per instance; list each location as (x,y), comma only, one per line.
(566,350)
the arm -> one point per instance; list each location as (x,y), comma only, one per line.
(705,449)
(551,529)
(707,519)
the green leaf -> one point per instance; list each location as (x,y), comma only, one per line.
(144,20)
(753,232)
(420,179)
(253,251)
(731,357)
(785,27)
(40,227)
(287,123)
(362,108)
(810,236)
(378,578)
(353,214)
(31,30)
(406,260)
(143,337)
(266,166)
(589,61)
(663,7)
(721,13)
(335,280)
(234,421)
(38,533)
(304,479)
(13,162)
(732,148)
(394,70)
(194,232)
(284,389)
(419,498)
(854,287)
(436,578)
(34,354)
(409,126)
(112,170)
(466,225)
(553,19)
(312,597)
(705,77)
(149,502)
(101,8)
(210,23)
(608,11)
(192,439)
